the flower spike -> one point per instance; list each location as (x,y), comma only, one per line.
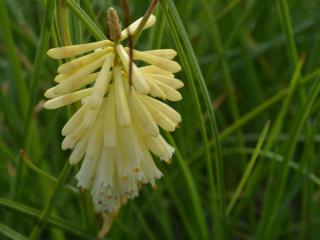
(115,131)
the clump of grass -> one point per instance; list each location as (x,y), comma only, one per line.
(248,67)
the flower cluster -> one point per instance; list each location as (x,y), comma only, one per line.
(117,126)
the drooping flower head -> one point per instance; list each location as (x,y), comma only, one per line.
(116,129)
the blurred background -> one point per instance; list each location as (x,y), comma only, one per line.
(248,170)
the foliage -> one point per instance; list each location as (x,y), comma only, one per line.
(248,66)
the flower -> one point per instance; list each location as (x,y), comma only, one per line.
(116,129)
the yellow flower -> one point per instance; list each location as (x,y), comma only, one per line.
(117,126)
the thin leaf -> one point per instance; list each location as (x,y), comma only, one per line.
(53,221)
(249,168)
(86,20)
(10,233)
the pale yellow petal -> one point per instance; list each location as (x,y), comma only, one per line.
(160,147)
(123,164)
(170,93)
(106,169)
(156,91)
(74,121)
(82,82)
(139,82)
(70,140)
(110,120)
(143,115)
(160,62)
(151,69)
(163,53)
(122,109)
(90,117)
(133,27)
(162,120)
(150,170)
(170,81)
(67,99)
(165,109)
(101,83)
(72,81)
(61,77)
(95,143)
(51,92)
(80,62)
(79,150)
(86,174)
(74,50)
(131,144)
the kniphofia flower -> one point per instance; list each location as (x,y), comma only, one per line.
(116,129)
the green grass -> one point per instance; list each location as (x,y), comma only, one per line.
(247,152)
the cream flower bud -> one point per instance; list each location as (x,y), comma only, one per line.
(110,118)
(143,114)
(79,150)
(161,62)
(70,140)
(74,121)
(151,69)
(80,62)
(134,26)
(72,81)
(138,80)
(156,91)
(122,108)
(163,53)
(67,99)
(101,83)
(169,81)
(74,50)
(160,147)
(164,108)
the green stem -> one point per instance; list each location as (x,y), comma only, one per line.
(194,195)
(10,233)
(63,24)
(265,105)
(189,60)
(50,204)
(287,26)
(86,20)
(196,100)
(53,221)
(302,116)
(38,65)
(249,168)
(14,62)
(143,22)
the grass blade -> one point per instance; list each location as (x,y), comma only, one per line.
(13,58)
(302,116)
(86,20)
(191,65)
(38,65)
(249,168)
(50,204)
(53,221)
(10,233)
(190,184)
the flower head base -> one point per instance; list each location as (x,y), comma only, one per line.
(117,126)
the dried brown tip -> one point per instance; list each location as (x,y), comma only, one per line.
(114,24)
(168,161)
